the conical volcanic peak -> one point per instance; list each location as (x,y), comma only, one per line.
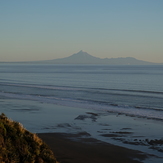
(82,55)
(80,58)
(84,58)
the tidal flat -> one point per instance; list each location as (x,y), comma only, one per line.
(83,125)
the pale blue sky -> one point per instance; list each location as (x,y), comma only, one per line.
(49,29)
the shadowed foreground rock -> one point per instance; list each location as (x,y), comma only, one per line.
(18,145)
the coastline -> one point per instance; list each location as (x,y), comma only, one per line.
(74,126)
(68,150)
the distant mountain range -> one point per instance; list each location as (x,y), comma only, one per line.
(84,58)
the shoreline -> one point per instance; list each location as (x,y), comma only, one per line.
(86,125)
(71,148)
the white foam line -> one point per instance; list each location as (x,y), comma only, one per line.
(147,113)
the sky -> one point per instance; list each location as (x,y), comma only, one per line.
(33,30)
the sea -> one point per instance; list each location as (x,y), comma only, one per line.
(131,90)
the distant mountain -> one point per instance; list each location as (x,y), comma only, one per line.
(78,58)
(84,58)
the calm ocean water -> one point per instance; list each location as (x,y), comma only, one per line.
(132,90)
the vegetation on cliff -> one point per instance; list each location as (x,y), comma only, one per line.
(17,145)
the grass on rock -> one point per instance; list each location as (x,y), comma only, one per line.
(17,145)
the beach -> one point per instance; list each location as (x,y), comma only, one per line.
(90,138)
(91,150)
(74,133)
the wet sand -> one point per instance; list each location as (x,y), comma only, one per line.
(126,131)
(69,149)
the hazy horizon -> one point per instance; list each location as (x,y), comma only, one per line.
(67,57)
(46,30)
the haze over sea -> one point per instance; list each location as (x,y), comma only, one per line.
(27,91)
